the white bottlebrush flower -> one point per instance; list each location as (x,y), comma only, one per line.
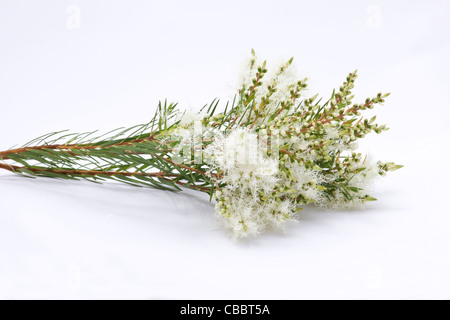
(248,173)
(301,144)
(361,183)
(241,151)
(365,178)
(332,133)
(282,80)
(247,72)
(190,117)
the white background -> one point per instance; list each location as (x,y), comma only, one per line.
(86,65)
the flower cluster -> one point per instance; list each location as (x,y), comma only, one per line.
(275,150)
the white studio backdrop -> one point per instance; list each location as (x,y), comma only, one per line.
(86,65)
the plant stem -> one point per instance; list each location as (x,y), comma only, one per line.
(161,175)
(4,154)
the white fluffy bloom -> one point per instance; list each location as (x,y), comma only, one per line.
(240,152)
(332,133)
(284,81)
(362,181)
(190,117)
(365,178)
(281,78)
(301,144)
(247,73)
(245,204)
(306,182)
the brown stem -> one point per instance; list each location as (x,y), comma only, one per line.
(14,168)
(162,175)
(4,154)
